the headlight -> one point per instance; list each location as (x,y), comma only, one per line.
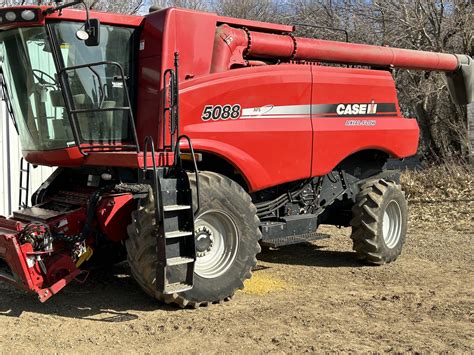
(28,15)
(10,16)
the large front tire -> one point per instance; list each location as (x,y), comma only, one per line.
(379,222)
(227,232)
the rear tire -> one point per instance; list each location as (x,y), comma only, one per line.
(229,218)
(379,222)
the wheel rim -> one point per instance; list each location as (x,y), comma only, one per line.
(217,241)
(392,224)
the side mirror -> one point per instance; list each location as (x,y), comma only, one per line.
(91,33)
(93,29)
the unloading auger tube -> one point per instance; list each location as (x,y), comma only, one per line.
(234,45)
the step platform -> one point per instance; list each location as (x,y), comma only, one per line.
(291,230)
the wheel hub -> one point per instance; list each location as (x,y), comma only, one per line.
(204,240)
(217,242)
(392,224)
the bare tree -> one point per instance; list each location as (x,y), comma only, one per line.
(189,4)
(127,7)
(261,10)
(18,2)
(443,26)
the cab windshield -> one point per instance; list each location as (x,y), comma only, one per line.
(94,94)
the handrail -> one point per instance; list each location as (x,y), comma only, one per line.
(171,76)
(73,111)
(158,203)
(177,158)
(172,80)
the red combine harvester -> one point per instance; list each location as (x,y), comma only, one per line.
(186,140)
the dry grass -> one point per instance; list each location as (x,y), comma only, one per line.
(441,195)
(442,183)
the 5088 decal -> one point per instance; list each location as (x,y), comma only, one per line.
(221,112)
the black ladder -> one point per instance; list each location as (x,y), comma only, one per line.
(177,249)
(174,225)
(174,214)
(24,189)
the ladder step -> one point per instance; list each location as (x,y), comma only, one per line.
(24,188)
(180,260)
(176,288)
(163,189)
(176,244)
(171,208)
(169,184)
(177,234)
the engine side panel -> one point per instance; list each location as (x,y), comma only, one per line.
(289,127)
(355,110)
(268,143)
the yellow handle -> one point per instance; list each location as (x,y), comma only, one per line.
(85,257)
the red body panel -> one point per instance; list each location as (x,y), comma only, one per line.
(162,36)
(280,141)
(334,140)
(73,15)
(281,135)
(72,157)
(263,149)
(114,214)
(104,17)
(58,157)
(267,150)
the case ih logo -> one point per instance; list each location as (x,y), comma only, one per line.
(316,111)
(357,109)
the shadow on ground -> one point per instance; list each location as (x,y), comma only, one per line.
(111,294)
(310,255)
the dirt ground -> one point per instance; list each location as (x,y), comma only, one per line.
(312,297)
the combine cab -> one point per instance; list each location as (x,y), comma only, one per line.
(185,141)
